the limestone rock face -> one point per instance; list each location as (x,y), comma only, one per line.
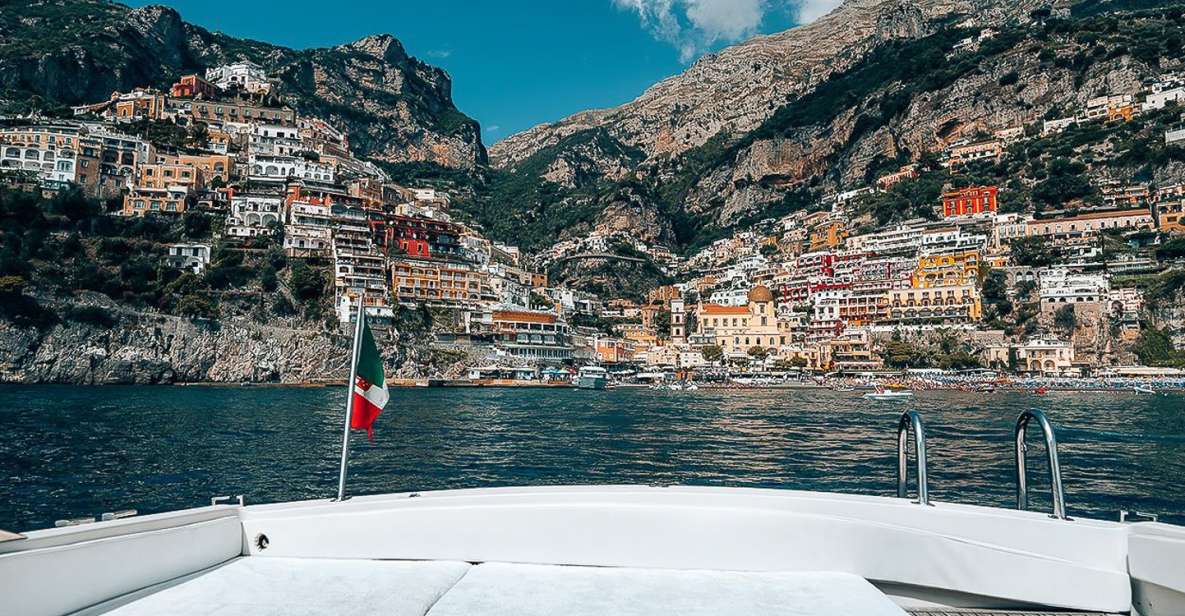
(156,349)
(737,88)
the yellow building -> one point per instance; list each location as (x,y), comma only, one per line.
(740,328)
(950,270)
(642,337)
(935,305)
(1170,217)
(828,235)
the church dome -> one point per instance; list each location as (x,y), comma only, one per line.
(759,294)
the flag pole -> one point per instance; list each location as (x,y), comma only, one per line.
(358,322)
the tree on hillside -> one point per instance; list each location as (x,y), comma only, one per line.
(898,353)
(662,323)
(539,301)
(1065,181)
(712,353)
(1032,252)
(1065,319)
(1171,250)
(306,283)
(758,353)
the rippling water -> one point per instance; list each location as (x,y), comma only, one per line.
(69,451)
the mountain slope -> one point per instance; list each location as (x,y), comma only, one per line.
(394,107)
(737,88)
(902,101)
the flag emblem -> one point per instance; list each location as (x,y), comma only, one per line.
(370,388)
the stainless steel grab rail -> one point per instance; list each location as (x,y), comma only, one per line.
(1055,469)
(912,418)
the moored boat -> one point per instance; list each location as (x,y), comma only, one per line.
(592,377)
(889,394)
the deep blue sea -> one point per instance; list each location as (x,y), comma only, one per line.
(75,451)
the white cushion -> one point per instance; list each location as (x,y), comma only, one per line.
(496,589)
(262,586)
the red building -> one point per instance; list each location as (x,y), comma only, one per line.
(417,237)
(969,201)
(192,86)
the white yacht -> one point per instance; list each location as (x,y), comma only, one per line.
(606,550)
(592,377)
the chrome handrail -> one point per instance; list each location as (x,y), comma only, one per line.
(1055,469)
(912,418)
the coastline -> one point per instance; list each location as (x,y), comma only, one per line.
(1050,385)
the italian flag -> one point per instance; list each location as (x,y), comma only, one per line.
(370,387)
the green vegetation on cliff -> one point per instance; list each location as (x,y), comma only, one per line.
(56,250)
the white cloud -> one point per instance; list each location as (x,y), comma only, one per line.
(493,128)
(810,10)
(439,54)
(692,26)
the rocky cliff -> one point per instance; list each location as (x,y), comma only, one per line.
(147,348)
(738,88)
(394,107)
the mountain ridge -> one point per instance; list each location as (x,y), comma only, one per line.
(701,101)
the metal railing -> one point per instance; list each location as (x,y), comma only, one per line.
(912,418)
(1055,469)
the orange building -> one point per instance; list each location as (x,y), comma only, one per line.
(138,104)
(193,86)
(614,350)
(208,166)
(969,201)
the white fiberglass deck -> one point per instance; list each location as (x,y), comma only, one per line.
(264,586)
(595,550)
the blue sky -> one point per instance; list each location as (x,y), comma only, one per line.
(517,63)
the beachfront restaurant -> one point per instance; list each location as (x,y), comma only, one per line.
(502,373)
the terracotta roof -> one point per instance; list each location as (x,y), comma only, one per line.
(760,293)
(717,309)
(524,316)
(1096,215)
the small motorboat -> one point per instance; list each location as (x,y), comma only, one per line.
(888,394)
(1143,389)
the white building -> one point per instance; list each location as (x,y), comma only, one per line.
(1009,227)
(252,214)
(943,241)
(273,140)
(904,239)
(1061,286)
(1159,100)
(264,167)
(309,230)
(1056,126)
(49,151)
(735,296)
(193,257)
(247,76)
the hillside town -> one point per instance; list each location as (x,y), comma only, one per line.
(223,144)
(823,289)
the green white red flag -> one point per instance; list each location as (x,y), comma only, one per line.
(370,387)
